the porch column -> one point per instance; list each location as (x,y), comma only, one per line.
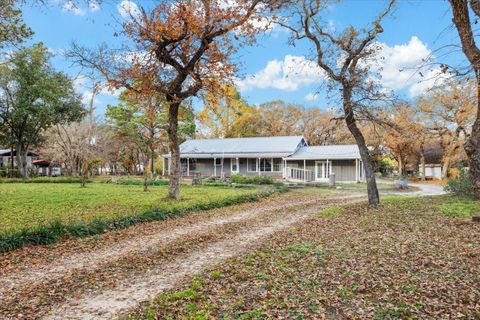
(169,166)
(214,167)
(163,167)
(329,169)
(305,170)
(188,167)
(356,170)
(284,168)
(258,167)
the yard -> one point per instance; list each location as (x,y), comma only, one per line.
(29,207)
(407,258)
(309,253)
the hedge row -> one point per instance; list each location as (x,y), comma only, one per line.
(47,234)
(137,182)
(42,180)
(238,178)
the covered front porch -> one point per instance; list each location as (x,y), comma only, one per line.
(345,170)
(225,166)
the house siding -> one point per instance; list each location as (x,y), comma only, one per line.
(344,170)
(206,168)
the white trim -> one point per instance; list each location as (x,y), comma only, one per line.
(325,175)
(232,161)
(356,171)
(259,163)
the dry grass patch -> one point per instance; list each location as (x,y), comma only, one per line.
(401,259)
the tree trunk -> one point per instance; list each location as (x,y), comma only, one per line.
(12,163)
(174,190)
(152,163)
(445,166)
(373,197)
(400,165)
(145,176)
(84,176)
(422,161)
(472,149)
(461,19)
(22,164)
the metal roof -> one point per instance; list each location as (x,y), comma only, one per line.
(332,152)
(6,152)
(232,155)
(241,147)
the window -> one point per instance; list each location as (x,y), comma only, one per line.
(193,164)
(218,161)
(234,165)
(265,164)
(277,164)
(183,165)
(252,165)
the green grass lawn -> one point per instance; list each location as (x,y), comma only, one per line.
(30,205)
(407,258)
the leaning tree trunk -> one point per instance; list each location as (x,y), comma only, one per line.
(461,19)
(472,149)
(373,197)
(174,191)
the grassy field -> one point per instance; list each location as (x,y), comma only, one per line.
(408,258)
(42,213)
(30,205)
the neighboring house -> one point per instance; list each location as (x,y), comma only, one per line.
(6,158)
(46,168)
(289,158)
(432,171)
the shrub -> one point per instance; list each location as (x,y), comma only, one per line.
(461,185)
(237,178)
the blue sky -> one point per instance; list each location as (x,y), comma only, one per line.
(270,69)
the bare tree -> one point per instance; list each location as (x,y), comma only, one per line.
(461,20)
(345,57)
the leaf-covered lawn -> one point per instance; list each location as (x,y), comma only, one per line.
(30,205)
(403,259)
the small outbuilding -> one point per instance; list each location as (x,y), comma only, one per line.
(432,171)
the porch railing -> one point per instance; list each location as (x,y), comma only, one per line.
(297,174)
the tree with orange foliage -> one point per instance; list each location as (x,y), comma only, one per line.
(179,49)
(449,112)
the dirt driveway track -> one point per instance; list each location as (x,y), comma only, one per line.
(101,277)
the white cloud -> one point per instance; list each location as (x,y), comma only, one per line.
(127,9)
(83,86)
(75,9)
(289,74)
(404,67)
(311,97)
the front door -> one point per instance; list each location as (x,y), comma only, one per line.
(322,170)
